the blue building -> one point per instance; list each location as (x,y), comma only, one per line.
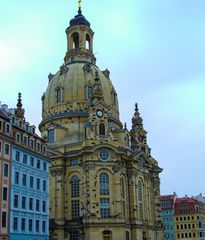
(29,182)
(167,213)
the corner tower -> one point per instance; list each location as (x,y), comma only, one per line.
(104,184)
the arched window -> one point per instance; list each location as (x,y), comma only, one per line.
(104,184)
(101,129)
(144,235)
(75,186)
(58,95)
(75,202)
(51,135)
(90,93)
(88,42)
(122,184)
(140,200)
(107,235)
(75,38)
(127,235)
(139,190)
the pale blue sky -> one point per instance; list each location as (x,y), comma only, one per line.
(155,52)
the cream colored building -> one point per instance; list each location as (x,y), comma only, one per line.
(104,184)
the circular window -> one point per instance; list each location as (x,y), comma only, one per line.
(104,155)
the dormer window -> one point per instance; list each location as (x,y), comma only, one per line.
(51,135)
(58,95)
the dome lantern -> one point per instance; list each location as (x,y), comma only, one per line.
(79,40)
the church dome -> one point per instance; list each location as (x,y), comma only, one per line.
(79,19)
(79,93)
(71,89)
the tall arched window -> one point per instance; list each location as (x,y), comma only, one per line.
(88,42)
(90,93)
(75,194)
(75,38)
(104,184)
(75,186)
(104,200)
(58,95)
(140,200)
(102,129)
(139,190)
(123,195)
(127,235)
(144,235)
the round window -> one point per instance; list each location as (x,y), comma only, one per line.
(104,155)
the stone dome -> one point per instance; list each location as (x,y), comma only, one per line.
(72,82)
(79,97)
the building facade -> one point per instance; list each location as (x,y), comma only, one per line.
(104,183)
(167,212)
(5,165)
(28,179)
(189,219)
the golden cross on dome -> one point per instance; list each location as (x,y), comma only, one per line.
(79,4)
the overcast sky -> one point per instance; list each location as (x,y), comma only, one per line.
(155,52)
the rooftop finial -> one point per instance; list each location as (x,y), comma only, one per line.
(79,6)
(19,104)
(19,111)
(136,107)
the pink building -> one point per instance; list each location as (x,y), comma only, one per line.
(5,164)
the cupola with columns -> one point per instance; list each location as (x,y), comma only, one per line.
(79,40)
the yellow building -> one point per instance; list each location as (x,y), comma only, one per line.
(104,184)
(189,219)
